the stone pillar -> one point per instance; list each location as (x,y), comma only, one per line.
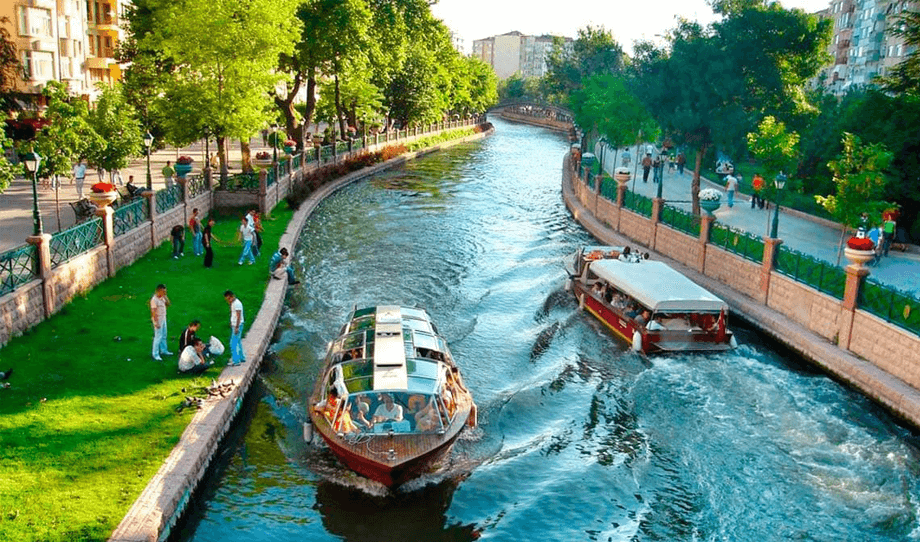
(598,181)
(856,274)
(657,205)
(43,248)
(770,246)
(263,191)
(621,194)
(705,226)
(108,233)
(152,203)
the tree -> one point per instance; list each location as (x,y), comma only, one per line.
(7,169)
(606,107)
(224,58)
(10,67)
(859,175)
(68,136)
(775,148)
(115,121)
(594,51)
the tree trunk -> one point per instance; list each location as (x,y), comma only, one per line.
(695,185)
(311,99)
(57,200)
(247,156)
(338,106)
(222,153)
(286,105)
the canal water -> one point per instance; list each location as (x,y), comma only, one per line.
(579,439)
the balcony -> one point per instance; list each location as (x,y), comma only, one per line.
(97,63)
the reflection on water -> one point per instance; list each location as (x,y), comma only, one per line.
(579,439)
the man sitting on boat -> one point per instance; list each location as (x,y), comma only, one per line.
(388,411)
(655,325)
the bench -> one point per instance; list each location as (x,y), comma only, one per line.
(83,209)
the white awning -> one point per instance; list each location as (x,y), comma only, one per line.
(389,350)
(657,286)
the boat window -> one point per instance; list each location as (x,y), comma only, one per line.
(365,312)
(418,314)
(400,412)
(417,325)
(358,375)
(426,341)
(358,324)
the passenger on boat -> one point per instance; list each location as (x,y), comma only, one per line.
(426,419)
(619,301)
(643,318)
(624,256)
(655,325)
(632,310)
(389,411)
(354,353)
(359,410)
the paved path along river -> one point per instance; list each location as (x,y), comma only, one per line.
(578,438)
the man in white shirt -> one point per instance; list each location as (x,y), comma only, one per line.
(236,328)
(158,304)
(731,184)
(246,234)
(191,360)
(79,175)
(388,411)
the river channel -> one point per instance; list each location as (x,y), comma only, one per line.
(579,439)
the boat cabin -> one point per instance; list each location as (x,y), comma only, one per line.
(648,303)
(389,372)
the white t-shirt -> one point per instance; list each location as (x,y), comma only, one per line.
(158,305)
(246,230)
(731,183)
(396,413)
(237,305)
(188,358)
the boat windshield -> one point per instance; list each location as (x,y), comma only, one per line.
(400,412)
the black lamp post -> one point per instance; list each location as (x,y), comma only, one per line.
(661,178)
(32,161)
(779,182)
(274,142)
(148,142)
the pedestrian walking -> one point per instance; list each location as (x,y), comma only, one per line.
(626,157)
(178,241)
(731,184)
(236,328)
(246,234)
(194,226)
(656,163)
(681,161)
(257,230)
(79,176)
(169,174)
(207,239)
(888,228)
(158,304)
(757,195)
(646,166)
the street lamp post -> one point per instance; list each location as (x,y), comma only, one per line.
(661,177)
(779,182)
(274,142)
(148,142)
(32,161)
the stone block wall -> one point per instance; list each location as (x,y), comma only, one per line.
(805,305)
(78,275)
(636,226)
(21,309)
(678,245)
(740,274)
(889,347)
(166,221)
(132,245)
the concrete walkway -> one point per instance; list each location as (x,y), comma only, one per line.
(809,235)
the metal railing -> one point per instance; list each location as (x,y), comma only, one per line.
(739,242)
(890,304)
(74,241)
(129,216)
(17,266)
(168,198)
(195,185)
(680,220)
(820,275)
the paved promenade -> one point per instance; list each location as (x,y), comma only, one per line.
(16,200)
(807,235)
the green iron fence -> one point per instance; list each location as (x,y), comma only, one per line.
(195,185)
(341,147)
(638,203)
(168,198)
(890,304)
(17,266)
(325,152)
(739,242)
(129,216)
(243,181)
(681,220)
(820,275)
(609,189)
(74,241)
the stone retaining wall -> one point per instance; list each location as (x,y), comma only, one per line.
(21,309)
(80,274)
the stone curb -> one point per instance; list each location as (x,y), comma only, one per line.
(892,393)
(161,503)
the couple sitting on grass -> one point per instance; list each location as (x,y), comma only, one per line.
(194,353)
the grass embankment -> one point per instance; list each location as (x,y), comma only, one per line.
(90,417)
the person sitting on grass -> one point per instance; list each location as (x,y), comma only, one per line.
(191,360)
(279,263)
(5,375)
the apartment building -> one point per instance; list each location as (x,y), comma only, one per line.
(863,46)
(72,41)
(515,52)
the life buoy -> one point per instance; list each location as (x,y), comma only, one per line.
(637,341)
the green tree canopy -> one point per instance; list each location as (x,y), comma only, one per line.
(606,107)
(68,135)
(593,52)
(859,175)
(116,123)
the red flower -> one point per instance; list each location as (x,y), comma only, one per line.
(100,188)
(860,244)
(263,155)
(185,160)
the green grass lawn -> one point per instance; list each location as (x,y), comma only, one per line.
(90,417)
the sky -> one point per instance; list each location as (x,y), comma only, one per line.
(629,20)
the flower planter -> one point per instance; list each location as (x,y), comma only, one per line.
(103,199)
(289,149)
(622,175)
(182,170)
(710,205)
(262,163)
(858,257)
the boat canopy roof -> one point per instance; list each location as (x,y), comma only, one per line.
(390,348)
(657,286)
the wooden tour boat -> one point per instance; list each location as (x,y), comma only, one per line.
(390,401)
(647,303)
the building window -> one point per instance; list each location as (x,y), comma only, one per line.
(27,63)
(34,22)
(897,51)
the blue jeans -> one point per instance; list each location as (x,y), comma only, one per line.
(247,252)
(159,341)
(178,247)
(236,345)
(731,198)
(196,243)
